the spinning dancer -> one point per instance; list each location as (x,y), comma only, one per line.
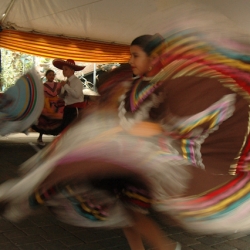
(174,139)
(21,104)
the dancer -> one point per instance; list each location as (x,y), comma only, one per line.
(21,104)
(71,91)
(205,105)
(52,114)
(174,139)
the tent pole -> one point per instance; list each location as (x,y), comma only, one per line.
(7,11)
(94,76)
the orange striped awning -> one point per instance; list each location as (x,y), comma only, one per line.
(64,48)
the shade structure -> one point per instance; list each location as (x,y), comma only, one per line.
(101,30)
(56,47)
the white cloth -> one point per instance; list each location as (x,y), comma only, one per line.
(74,91)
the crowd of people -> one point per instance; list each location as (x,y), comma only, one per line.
(169,132)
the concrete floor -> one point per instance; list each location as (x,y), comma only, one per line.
(43,231)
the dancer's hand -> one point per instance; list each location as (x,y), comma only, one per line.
(63,83)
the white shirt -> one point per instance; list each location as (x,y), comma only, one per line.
(74,91)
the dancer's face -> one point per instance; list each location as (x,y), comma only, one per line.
(139,60)
(67,71)
(50,76)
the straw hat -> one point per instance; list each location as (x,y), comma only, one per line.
(59,63)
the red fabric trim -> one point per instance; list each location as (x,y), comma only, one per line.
(243,156)
(80,105)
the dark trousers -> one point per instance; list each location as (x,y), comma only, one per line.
(69,115)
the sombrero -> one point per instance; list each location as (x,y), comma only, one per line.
(27,101)
(59,63)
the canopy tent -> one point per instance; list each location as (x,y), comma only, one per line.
(100,30)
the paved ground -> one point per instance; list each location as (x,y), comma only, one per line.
(41,231)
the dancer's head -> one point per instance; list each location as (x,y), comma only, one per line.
(50,75)
(67,66)
(144,50)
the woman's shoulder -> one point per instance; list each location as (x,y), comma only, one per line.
(114,84)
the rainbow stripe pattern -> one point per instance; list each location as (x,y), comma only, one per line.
(25,93)
(190,54)
(225,206)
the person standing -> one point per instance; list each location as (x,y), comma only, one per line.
(52,114)
(71,91)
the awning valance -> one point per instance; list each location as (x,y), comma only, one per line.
(64,48)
